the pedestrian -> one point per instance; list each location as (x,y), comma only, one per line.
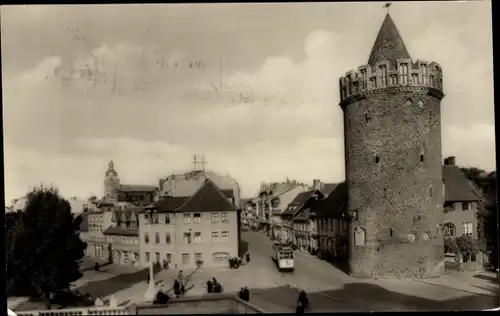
(165,264)
(149,278)
(183,290)
(177,290)
(303,303)
(214,281)
(96,267)
(241,295)
(246,294)
(180,277)
(248,257)
(209,286)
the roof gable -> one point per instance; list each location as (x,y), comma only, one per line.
(133,216)
(170,204)
(327,188)
(115,216)
(300,201)
(207,198)
(123,217)
(333,205)
(137,188)
(457,187)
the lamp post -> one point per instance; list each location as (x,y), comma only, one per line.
(151,291)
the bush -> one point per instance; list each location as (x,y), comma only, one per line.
(467,245)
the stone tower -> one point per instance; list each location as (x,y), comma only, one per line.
(111,183)
(392,127)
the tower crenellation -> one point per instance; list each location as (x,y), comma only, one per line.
(386,75)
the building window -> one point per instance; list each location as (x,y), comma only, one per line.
(465,206)
(224,217)
(187,218)
(373,82)
(156,218)
(157,238)
(363,78)
(187,238)
(467,228)
(167,219)
(148,257)
(349,84)
(343,226)
(215,237)
(185,259)
(197,238)
(394,80)
(383,73)
(167,238)
(415,78)
(225,237)
(431,80)
(404,73)
(215,217)
(197,257)
(146,238)
(169,257)
(197,218)
(146,219)
(449,230)
(157,255)
(423,68)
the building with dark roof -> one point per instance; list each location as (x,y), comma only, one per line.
(203,227)
(393,151)
(461,202)
(133,193)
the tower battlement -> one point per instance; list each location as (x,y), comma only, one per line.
(386,74)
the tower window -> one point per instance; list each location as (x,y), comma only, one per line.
(430,191)
(391,232)
(403,70)
(415,78)
(367,118)
(383,74)
(363,79)
(377,159)
(422,158)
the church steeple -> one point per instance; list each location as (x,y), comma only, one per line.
(389,45)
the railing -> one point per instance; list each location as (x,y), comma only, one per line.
(226,303)
(104,310)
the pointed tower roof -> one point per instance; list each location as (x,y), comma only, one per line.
(389,45)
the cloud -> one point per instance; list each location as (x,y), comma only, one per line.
(144,107)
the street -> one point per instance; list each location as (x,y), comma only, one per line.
(330,289)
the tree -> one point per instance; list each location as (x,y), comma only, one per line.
(45,250)
(472,174)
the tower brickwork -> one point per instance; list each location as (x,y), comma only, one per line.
(111,183)
(392,127)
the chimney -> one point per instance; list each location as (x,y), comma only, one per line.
(450,161)
(317,184)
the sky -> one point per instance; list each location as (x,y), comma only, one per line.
(252,87)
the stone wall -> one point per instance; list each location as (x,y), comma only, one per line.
(394,176)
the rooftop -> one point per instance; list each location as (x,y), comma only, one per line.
(389,45)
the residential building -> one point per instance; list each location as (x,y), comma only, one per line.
(188,183)
(122,236)
(91,231)
(296,229)
(116,192)
(461,202)
(279,204)
(331,225)
(203,227)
